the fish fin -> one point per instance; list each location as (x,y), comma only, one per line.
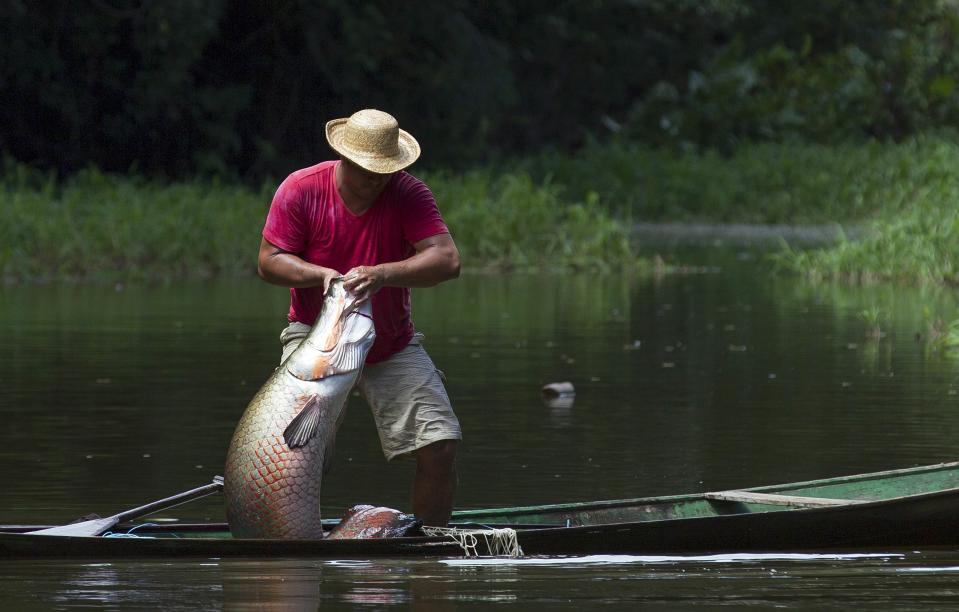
(304,425)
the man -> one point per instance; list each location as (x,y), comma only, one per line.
(364,217)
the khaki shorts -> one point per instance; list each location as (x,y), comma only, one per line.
(405,392)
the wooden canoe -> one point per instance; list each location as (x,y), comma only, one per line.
(899,508)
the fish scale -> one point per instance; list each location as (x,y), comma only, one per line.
(271,489)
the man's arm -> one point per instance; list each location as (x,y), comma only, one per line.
(436,260)
(274,265)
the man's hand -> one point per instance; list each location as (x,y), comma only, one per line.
(328,275)
(436,260)
(364,281)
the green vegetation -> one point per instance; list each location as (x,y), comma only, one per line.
(937,333)
(553,211)
(242,90)
(913,235)
(509,220)
(874,318)
(904,196)
(916,245)
(756,111)
(101,226)
(791,183)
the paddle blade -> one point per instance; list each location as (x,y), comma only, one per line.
(99,526)
(93,527)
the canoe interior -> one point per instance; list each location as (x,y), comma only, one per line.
(873,487)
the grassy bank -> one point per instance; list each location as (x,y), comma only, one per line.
(95,226)
(913,235)
(905,194)
(105,227)
(796,183)
(509,221)
(916,245)
(549,212)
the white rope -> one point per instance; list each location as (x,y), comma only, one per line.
(498,542)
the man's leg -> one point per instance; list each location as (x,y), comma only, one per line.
(415,420)
(435,482)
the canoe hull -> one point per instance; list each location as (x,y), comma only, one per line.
(908,522)
(924,520)
(914,507)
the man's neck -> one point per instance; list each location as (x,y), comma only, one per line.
(355,203)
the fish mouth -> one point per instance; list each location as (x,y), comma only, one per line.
(336,285)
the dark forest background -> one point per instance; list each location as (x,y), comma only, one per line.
(242,89)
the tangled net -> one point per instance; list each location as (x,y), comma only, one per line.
(498,542)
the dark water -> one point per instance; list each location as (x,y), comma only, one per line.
(900,581)
(716,376)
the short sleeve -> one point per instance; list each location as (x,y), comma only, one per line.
(421,217)
(286,222)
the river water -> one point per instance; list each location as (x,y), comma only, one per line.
(715,375)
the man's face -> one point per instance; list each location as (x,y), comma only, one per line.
(362,182)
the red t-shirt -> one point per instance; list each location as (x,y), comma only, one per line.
(308,218)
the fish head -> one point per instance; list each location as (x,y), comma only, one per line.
(339,340)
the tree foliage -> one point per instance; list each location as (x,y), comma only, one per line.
(823,71)
(179,87)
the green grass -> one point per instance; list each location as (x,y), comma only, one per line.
(915,246)
(510,221)
(793,183)
(97,226)
(914,236)
(551,212)
(905,195)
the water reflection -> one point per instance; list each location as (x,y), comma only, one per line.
(559,397)
(560,409)
(303,585)
(891,580)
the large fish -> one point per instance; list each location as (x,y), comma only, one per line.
(275,463)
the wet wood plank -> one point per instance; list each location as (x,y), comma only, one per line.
(796,501)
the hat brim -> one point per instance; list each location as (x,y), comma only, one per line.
(409,150)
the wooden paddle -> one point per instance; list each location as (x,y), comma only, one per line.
(99,526)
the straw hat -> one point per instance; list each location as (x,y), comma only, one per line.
(373,140)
